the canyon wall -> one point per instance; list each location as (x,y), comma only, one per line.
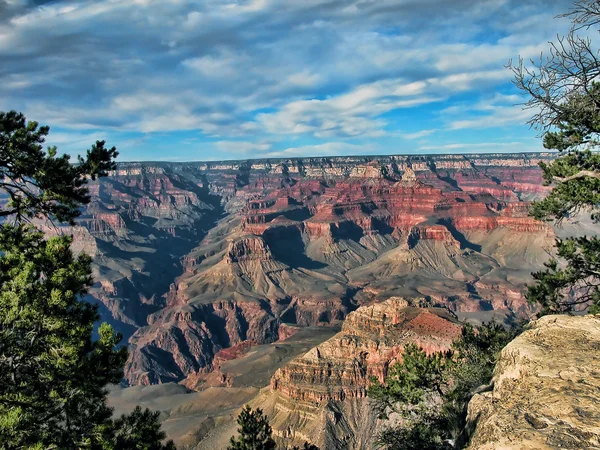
(321,396)
(194,258)
(214,271)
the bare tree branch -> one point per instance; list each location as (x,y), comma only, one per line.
(578,175)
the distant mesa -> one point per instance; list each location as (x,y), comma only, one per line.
(409,178)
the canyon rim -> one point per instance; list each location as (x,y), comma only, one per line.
(231,279)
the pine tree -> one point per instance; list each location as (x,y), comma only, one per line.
(306,446)
(254,432)
(431,392)
(139,430)
(37,182)
(564,91)
(53,375)
(414,389)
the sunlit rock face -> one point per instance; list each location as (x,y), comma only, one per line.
(194,258)
(372,338)
(321,396)
(546,389)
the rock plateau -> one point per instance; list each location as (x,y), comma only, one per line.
(546,390)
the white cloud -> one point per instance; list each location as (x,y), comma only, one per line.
(326,149)
(266,71)
(499,117)
(485,147)
(497,111)
(357,112)
(243,147)
(354,113)
(418,134)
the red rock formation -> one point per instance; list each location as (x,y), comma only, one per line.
(371,170)
(247,249)
(487,223)
(102,223)
(433,232)
(399,205)
(300,241)
(180,341)
(371,339)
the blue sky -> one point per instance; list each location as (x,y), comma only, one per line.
(187,80)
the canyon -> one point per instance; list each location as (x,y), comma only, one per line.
(311,273)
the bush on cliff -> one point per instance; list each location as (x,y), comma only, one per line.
(563,88)
(53,375)
(255,433)
(430,393)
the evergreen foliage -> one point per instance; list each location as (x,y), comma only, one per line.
(473,360)
(39,183)
(564,90)
(254,432)
(306,446)
(412,382)
(53,375)
(430,393)
(139,430)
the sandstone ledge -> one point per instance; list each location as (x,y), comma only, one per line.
(546,392)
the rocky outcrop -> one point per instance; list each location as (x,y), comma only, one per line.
(432,232)
(105,223)
(371,339)
(247,249)
(182,342)
(546,389)
(322,396)
(83,241)
(488,223)
(372,170)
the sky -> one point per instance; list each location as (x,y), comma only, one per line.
(180,80)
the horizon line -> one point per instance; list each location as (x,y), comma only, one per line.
(292,158)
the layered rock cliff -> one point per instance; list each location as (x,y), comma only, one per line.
(321,396)
(302,242)
(186,340)
(371,339)
(546,390)
(142,219)
(209,267)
